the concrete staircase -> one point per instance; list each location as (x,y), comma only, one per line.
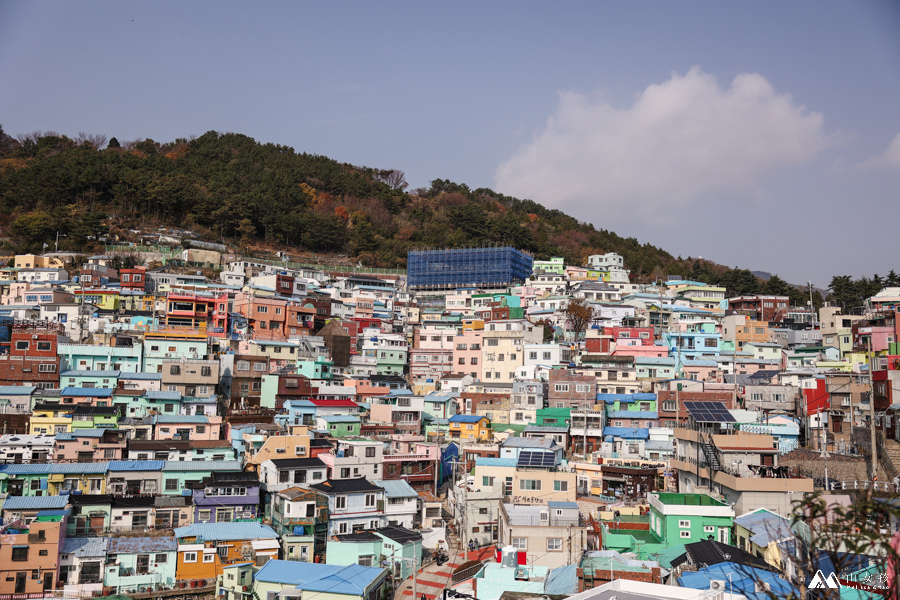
(892,449)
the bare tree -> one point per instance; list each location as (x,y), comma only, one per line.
(394,178)
(579,315)
(97,140)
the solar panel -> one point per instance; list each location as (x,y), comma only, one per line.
(709,412)
(532,458)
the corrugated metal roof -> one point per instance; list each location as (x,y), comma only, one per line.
(140,376)
(89,373)
(484,461)
(142,544)
(627,433)
(181,419)
(316,577)
(87,392)
(562,581)
(202,465)
(158,395)
(465,418)
(92,433)
(397,488)
(136,465)
(34,502)
(227,531)
(85,547)
(16,390)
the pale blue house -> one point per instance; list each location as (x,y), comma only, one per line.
(140,564)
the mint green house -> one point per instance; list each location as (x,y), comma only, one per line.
(339,426)
(85,357)
(89,379)
(177,473)
(554,417)
(317,368)
(144,564)
(689,518)
(396,547)
(157,350)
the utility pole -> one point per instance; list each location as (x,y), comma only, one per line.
(872,414)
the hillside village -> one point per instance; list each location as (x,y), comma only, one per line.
(481,425)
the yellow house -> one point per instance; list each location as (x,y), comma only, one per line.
(33,261)
(763,533)
(50,419)
(87,478)
(470,428)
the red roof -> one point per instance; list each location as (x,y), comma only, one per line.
(335,403)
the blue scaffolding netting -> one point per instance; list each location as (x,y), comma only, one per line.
(467,267)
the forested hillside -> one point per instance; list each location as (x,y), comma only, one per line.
(229,188)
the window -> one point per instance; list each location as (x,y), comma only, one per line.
(684,524)
(206,371)
(490,342)
(46,368)
(530,484)
(685,534)
(370,500)
(20,553)
(21,345)
(345,472)
(259,366)
(709,529)
(171,485)
(370,452)
(208,557)
(560,486)
(561,387)
(520,543)
(175,370)
(190,557)
(243,365)
(43,346)
(161,558)
(554,544)
(487,481)
(340,502)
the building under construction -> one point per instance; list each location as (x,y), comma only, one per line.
(467,267)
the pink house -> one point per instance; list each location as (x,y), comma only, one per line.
(90,445)
(467,353)
(642,351)
(186,427)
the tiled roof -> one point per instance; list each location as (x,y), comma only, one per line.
(346,486)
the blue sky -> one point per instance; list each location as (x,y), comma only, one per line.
(760,135)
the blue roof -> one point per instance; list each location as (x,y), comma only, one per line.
(627,433)
(339,419)
(227,531)
(640,397)
(136,465)
(318,577)
(58,468)
(485,461)
(142,544)
(466,418)
(35,502)
(97,433)
(87,392)
(554,504)
(742,581)
(562,580)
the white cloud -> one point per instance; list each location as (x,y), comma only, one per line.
(889,159)
(681,141)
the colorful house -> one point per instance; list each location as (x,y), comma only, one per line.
(205,548)
(470,428)
(140,564)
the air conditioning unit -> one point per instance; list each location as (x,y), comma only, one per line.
(717,585)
